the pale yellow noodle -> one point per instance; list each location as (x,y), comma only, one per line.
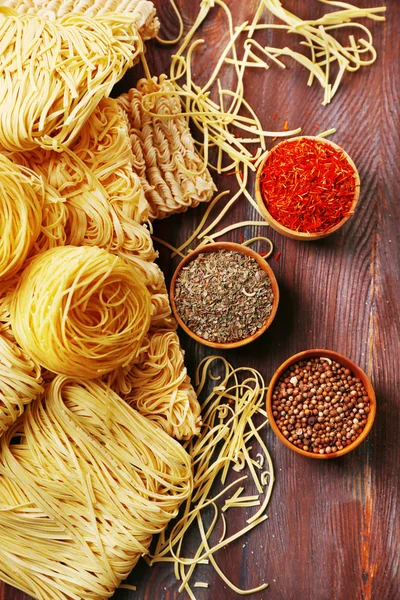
(180,23)
(6,291)
(85,483)
(102,207)
(229,409)
(159,387)
(53,73)
(104,147)
(142,11)
(80,311)
(173,174)
(20,382)
(22,198)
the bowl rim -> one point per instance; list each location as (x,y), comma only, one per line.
(301,235)
(214,247)
(346,362)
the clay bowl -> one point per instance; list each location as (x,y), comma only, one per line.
(290,233)
(237,248)
(346,362)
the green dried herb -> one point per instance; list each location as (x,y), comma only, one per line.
(223,296)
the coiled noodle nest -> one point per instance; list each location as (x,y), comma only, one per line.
(81,311)
(21,202)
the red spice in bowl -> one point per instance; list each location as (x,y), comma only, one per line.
(308,185)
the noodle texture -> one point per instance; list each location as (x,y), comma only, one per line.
(54,73)
(104,147)
(159,387)
(232,408)
(20,383)
(21,202)
(6,291)
(104,200)
(173,175)
(85,483)
(80,311)
(142,11)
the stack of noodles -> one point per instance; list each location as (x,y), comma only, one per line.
(85,483)
(22,197)
(85,479)
(101,203)
(53,74)
(142,11)
(172,173)
(93,386)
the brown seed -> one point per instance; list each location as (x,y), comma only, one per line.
(320,406)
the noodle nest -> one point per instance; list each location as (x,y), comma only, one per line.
(85,483)
(80,311)
(21,202)
(54,73)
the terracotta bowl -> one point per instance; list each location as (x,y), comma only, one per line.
(344,361)
(237,248)
(290,233)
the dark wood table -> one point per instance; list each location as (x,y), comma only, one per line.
(333,527)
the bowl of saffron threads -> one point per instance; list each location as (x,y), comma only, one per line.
(307,188)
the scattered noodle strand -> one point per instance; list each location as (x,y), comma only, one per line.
(181,27)
(228,412)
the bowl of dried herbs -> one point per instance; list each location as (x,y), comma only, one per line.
(224,295)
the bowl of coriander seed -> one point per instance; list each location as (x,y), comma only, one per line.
(320,404)
(224,295)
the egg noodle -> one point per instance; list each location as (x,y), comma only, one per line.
(103,147)
(92,217)
(159,387)
(173,175)
(54,222)
(230,430)
(104,200)
(7,288)
(89,311)
(54,73)
(142,11)
(85,483)
(161,316)
(21,202)
(20,382)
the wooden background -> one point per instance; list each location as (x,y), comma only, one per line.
(333,528)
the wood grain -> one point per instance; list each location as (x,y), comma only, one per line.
(333,527)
